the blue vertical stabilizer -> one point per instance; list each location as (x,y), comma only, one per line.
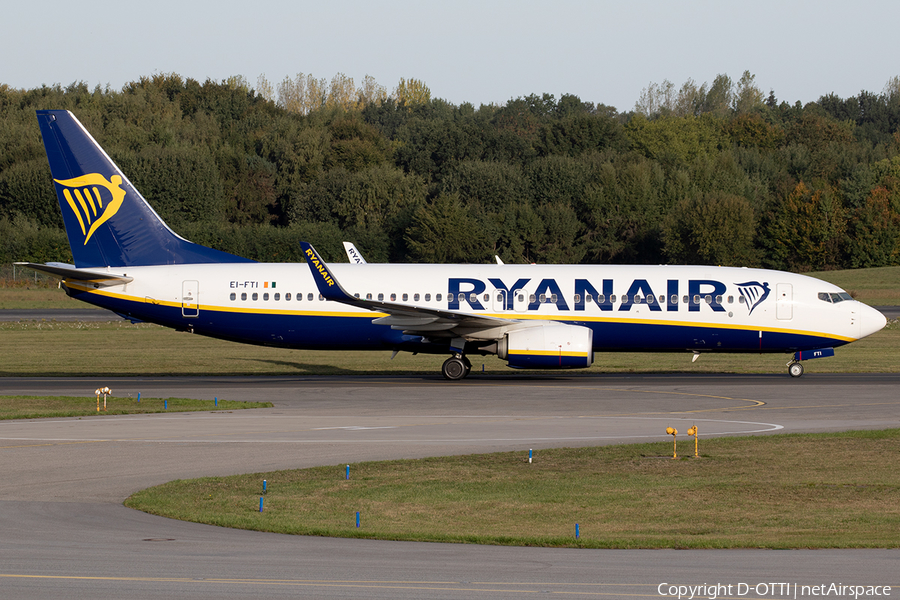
(108,222)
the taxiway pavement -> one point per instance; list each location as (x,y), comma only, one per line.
(64,531)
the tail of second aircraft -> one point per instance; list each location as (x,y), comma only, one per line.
(108,222)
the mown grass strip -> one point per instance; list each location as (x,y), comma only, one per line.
(37,407)
(63,349)
(836,490)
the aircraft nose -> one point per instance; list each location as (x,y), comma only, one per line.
(870,321)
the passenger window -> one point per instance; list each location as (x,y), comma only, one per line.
(438,297)
(243,295)
(708,299)
(651,299)
(543,298)
(321,297)
(718,299)
(487,298)
(277,297)
(612,299)
(684,299)
(266,296)
(309,297)
(287,296)
(554,298)
(405,297)
(381,297)
(662,299)
(577,298)
(730,299)
(531,298)
(624,299)
(673,299)
(741,300)
(428,298)
(255,296)
(368,296)
(393,297)
(233,296)
(589,298)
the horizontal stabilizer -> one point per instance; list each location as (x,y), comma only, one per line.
(72,273)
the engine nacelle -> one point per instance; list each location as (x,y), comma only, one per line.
(552,346)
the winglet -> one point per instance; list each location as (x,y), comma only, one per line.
(325,281)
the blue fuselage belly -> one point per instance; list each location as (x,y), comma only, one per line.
(323,332)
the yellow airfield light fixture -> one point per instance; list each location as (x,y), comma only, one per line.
(693,431)
(673,432)
(105,391)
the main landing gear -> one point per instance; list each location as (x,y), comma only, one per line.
(456,367)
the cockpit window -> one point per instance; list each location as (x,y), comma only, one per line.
(833,297)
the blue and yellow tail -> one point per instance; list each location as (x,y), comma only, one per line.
(108,222)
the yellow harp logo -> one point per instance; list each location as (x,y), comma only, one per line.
(91,207)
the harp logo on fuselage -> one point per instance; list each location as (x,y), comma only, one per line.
(93,199)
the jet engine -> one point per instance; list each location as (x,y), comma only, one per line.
(551,346)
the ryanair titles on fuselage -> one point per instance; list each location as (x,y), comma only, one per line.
(548,291)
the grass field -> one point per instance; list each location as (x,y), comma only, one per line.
(37,407)
(119,348)
(788,491)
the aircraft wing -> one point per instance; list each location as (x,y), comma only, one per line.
(409,318)
(72,273)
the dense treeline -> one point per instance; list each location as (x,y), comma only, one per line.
(716,174)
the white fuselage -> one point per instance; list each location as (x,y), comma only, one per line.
(628,307)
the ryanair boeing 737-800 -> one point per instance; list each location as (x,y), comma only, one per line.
(533,316)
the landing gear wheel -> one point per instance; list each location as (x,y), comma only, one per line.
(795,369)
(454,368)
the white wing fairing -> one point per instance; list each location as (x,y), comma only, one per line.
(532,316)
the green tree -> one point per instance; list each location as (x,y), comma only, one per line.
(807,230)
(182,184)
(443,231)
(27,190)
(491,185)
(411,93)
(747,96)
(621,209)
(875,232)
(711,228)
(674,140)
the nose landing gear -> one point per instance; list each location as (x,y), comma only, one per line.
(795,369)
